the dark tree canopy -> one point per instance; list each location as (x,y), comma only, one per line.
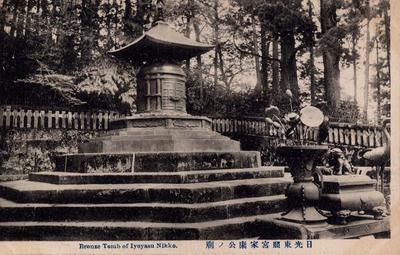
(262,48)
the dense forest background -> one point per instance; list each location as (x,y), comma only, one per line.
(53,53)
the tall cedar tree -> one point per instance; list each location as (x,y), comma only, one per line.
(331,49)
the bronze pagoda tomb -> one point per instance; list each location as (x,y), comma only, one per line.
(160,174)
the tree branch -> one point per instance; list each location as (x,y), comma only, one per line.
(254,54)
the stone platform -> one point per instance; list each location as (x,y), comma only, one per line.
(152,177)
(156,161)
(39,192)
(235,228)
(158,133)
(153,195)
(203,204)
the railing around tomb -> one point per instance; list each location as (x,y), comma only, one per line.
(339,133)
(18,117)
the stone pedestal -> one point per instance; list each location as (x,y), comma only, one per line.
(157,120)
(161,123)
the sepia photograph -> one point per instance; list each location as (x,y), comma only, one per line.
(240,126)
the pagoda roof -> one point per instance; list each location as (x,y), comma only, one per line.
(161,42)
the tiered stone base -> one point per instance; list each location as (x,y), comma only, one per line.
(153,177)
(236,228)
(156,161)
(167,178)
(157,133)
(202,204)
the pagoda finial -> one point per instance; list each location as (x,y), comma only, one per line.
(159,16)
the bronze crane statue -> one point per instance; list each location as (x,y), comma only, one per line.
(381,155)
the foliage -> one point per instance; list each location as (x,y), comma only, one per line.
(26,151)
(56,88)
(14,60)
(381,79)
(348,112)
(305,69)
(66,37)
(108,84)
(72,38)
(217,101)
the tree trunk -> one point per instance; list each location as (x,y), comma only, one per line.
(387,33)
(21,19)
(128,10)
(264,61)
(110,40)
(312,61)
(45,19)
(216,67)
(221,66)
(288,65)
(354,44)
(187,34)
(85,48)
(197,32)
(28,26)
(96,25)
(116,18)
(366,71)
(14,18)
(378,85)
(127,20)
(140,12)
(3,12)
(53,20)
(256,58)
(275,69)
(216,42)
(331,55)
(38,18)
(313,84)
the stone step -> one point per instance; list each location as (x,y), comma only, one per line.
(151,212)
(156,161)
(157,177)
(24,191)
(160,144)
(228,229)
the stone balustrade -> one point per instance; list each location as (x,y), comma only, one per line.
(339,133)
